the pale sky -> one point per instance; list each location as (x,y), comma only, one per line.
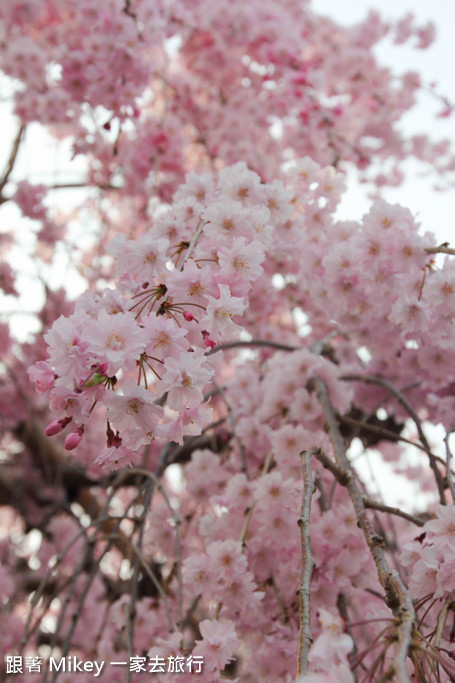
(434,209)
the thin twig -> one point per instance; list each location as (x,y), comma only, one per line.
(441,621)
(254,342)
(194,242)
(68,596)
(222,393)
(131,614)
(246,521)
(12,159)
(271,581)
(318,347)
(376,429)
(308,564)
(39,592)
(379,404)
(94,569)
(322,499)
(373,379)
(342,605)
(448,459)
(177,523)
(373,505)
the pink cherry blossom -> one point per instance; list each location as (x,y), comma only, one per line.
(242,259)
(184,380)
(220,312)
(164,338)
(443,527)
(43,375)
(116,340)
(218,644)
(134,409)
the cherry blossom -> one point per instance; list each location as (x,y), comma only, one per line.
(220,311)
(116,340)
(187,483)
(218,643)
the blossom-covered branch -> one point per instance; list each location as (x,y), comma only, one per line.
(397,596)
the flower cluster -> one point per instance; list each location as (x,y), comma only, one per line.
(174,301)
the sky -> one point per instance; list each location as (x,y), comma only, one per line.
(434,209)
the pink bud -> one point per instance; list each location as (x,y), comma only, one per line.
(73,440)
(188,316)
(57,426)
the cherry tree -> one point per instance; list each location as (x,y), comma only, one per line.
(179,478)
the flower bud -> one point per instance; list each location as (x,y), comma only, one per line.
(56,426)
(73,440)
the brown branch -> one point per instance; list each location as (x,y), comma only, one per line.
(308,564)
(442,249)
(11,160)
(448,459)
(322,499)
(174,453)
(318,347)
(387,434)
(342,605)
(271,582)
(131,612)
(373,505)
(80,185)
(254,342)
(372,379)
(397,597)
(69,186)
(177,522)
(58,469)
(441,621)
(232,420)
(341,475)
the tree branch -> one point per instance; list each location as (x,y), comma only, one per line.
(398,598)
(232,420)
(373,505)
(442,249)
(372,379)
(305,637)
(11,160)
(254,342)
(448,459)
